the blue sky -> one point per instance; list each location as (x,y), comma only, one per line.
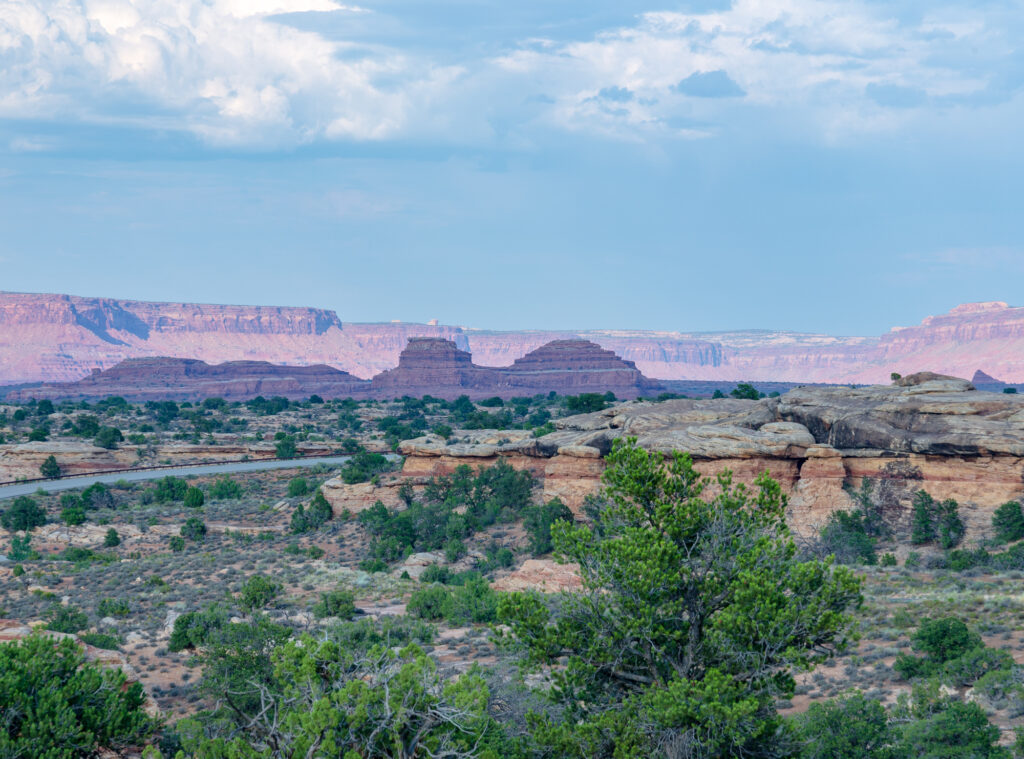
(790,164)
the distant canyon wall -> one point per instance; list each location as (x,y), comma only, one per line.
(61,338)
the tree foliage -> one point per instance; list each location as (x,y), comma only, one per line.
(695,612)
(56,705)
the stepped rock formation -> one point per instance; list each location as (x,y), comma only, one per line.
(427,366)
(927,431)
(146,379)
(61,338)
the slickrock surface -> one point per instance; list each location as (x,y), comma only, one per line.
(61,338)
(927,431)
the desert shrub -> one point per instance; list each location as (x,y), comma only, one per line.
(363,466)
(935,520)
(97,496)
(443,431)
(177,543)
(887,560)
(50,468)
(373,565)
(168,489)
(298,486)
(259,592)
(23,514)
(21,549)
(854,727)
(66,619)
(110,607)
(285,448)
(472,602)
(428,603)
(73,515)
(335,603)
(913,560)
(960,560)
(318,514)
(111,539)
(193,628)
(1008,521)
(57,705)
(538,520)
(100,640)
(949,648)
(108,437)
(586,403)
(264,407)
(846,536)
(193,498)
(225,489)
(745,391)
(967,669)
(194,529)
(435,573)
(958,730)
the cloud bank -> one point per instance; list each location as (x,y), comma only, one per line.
(236,73)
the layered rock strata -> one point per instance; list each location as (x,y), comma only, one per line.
(427,366)
(61,338)
(927,432)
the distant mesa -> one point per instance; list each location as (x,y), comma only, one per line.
(61,338)
(427,366)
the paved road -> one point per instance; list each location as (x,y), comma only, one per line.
(69,483)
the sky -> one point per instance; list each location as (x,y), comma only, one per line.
(811,165)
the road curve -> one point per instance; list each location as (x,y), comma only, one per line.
(70,483)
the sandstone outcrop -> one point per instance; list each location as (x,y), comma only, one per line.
(926,432)
(12,630)
(61,338)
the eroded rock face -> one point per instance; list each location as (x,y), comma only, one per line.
(927,431)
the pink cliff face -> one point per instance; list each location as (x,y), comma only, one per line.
(61,338)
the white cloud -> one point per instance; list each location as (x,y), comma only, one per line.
(219,68)
(830,60)
(232,73)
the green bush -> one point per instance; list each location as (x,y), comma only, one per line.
(177,543)
(1008,521)
(363,466)
(50,468)
(108,437)
(373,565)
(169,489)
(193,498)
(23,514)
(259,592)
(298,486)
(285,448)
(110,607)
(194,529)
(57,705)
(225,489)
(194,628)
(111,539)
(100,640)
(66,619)
(428,603)
(846,536)
(335,603)
(73,515)
(318,514)
(538,521)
